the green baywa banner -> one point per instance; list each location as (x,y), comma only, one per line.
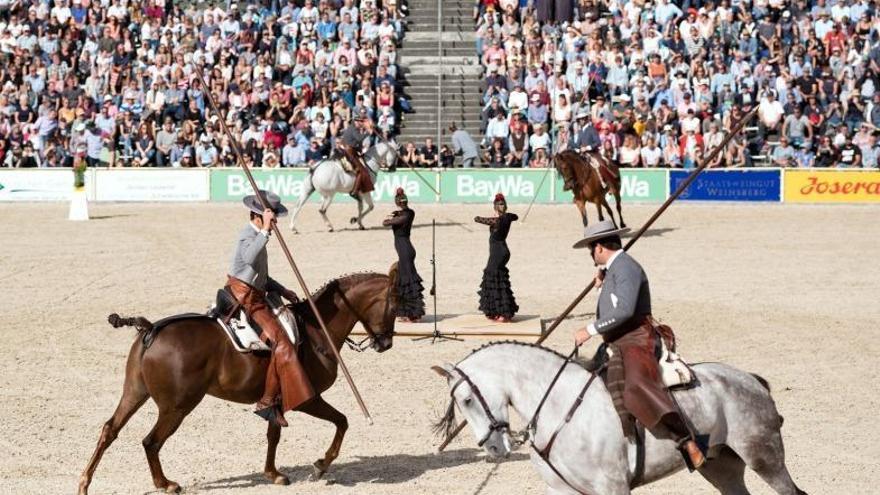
(636,185)
(480,186)
(290,184)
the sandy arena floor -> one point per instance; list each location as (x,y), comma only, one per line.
(789,292)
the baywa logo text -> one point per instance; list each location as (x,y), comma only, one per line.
(514,186)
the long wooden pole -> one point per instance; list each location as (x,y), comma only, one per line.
(302,283)
(678,192)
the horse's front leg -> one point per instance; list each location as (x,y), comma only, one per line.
(318,408)
(299,206)
(582,208)
(270,471)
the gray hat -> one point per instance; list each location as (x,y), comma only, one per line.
(272,200)
(599,231)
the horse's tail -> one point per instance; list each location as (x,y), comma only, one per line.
(145,328)
(763,381)
(141,324)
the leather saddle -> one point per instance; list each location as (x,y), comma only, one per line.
(243,332)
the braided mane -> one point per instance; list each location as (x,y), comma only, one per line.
(345,281)
(513,342)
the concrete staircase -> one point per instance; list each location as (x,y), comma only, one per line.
(441,71)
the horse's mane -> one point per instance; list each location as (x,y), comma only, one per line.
(345,280)
(513,342)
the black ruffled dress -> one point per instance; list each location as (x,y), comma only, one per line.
(496,294)
(409,283)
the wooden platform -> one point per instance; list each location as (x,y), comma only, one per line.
(469,325)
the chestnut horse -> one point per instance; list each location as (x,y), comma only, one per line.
(191,357)
(582,179)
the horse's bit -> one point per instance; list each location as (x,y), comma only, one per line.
(494,424)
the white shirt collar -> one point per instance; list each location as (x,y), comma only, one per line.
(612,258)
(256,229)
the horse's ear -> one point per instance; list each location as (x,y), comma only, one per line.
(444,371)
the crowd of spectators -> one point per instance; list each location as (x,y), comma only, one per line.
(113,82)
(660,83)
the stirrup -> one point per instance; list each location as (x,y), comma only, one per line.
(272,414)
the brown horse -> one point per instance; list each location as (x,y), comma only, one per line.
(582,179)
(182,361)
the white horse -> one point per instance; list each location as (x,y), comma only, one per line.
(328,177)
(590,454)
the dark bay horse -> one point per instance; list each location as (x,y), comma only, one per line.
(583,180)
(190,358)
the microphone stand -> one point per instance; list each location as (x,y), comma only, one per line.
(436,335)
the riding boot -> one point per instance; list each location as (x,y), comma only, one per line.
(268,407)
(681,434)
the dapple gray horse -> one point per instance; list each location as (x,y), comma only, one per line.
(590,452)
(328,177)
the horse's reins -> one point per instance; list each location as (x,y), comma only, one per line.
(367,341)
(530,431)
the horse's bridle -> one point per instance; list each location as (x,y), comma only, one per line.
(367,341)
(531,428)
(494,424)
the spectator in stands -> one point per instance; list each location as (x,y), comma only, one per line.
(409,157)
(428,154)
(850,155)
(539,143)
(463,145)
(783,154)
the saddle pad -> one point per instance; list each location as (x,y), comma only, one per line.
(243,337)
(673,369)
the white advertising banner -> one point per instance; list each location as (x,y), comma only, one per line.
(40,184)
(151,185)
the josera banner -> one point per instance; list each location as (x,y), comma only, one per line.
(290,184)
(636,185)
(730,185)
(832,186)
(481,185)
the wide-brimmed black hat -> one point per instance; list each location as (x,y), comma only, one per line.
(272,199)
(599,231)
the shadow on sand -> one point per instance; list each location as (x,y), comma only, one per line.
(383,469)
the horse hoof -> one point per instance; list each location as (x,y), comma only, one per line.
(361,227)
(330,229)
(352,220)
(172,487)
(277,478)
(318,470)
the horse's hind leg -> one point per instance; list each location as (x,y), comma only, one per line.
(766,456)
(368,199)
(725,471)
(168,422)
(608,209)
(270,471)
(598,204)
(325,204)
(318,408)
(619,208)
(134,394)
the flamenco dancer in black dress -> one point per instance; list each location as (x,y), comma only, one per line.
(496,296)
(409,283)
